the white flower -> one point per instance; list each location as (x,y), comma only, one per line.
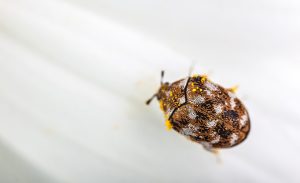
(73,85)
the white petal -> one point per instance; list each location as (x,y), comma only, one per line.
(74,76)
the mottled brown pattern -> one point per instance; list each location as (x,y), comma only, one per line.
(209,114)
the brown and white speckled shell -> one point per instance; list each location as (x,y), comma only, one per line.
(205,112)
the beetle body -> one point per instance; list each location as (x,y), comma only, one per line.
(204,112)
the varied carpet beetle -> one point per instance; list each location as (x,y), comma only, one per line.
(203,111)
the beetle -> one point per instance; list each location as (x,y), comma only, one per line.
(203,111)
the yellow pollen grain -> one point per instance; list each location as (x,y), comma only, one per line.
(168,125)
(166,116)
(161,105)
(203,78)
(171,94)
(197,88)
(233,89)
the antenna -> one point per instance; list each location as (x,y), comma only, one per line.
(162,74)
(192,67)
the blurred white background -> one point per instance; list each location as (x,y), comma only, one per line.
(74,76)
